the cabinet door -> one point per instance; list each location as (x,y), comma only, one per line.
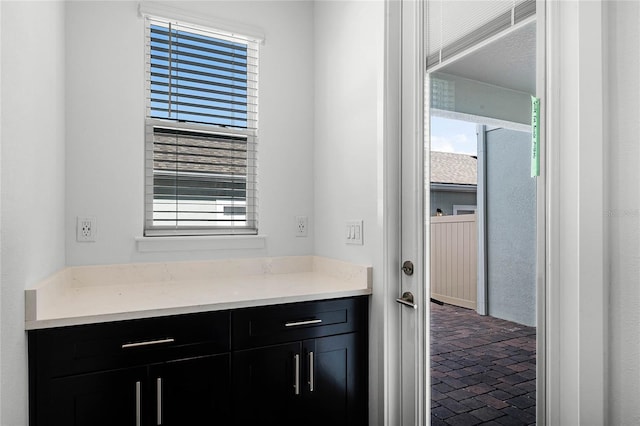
(335,375)
(191,392)
(266,388)
(98,399)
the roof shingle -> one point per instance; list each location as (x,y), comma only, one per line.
(459,169)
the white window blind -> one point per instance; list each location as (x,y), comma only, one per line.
(201,131)
(456,25)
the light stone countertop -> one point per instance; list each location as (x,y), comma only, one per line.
(94,294)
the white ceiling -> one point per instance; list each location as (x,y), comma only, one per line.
(508,62)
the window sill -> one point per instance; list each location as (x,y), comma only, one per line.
(217,242)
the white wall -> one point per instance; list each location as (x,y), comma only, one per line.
(349,56)
(1,280)
(105,125)
(622,214)
(320,152)
(320,119)
(348,135)
(32,191)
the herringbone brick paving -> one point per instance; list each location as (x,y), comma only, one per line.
(483,369)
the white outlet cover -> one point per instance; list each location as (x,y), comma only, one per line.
(85,229)
(302,226)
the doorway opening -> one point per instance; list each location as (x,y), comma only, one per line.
(483,234)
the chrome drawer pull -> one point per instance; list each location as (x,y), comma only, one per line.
(296,378)
(299,323)
(159,401)
(138,403)
(311,371)
(148,343)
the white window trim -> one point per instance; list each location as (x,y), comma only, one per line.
(200,243)
(235,29)
(224,29)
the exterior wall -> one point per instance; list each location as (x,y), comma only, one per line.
(511,227)
(445,200)
(33,184)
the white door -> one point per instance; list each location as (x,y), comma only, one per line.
(413,303)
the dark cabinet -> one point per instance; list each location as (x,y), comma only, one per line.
(100,399)
(192,391)
(264,388)
(337,380)
(156,371)
(269,365)
(322,380)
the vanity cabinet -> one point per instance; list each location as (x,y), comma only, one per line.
(158,371)
(102,398)
(299,363)
(193,391)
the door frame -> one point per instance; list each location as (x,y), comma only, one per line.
(391,397)
(403,44)
(393,134)
(542,203)
(572,349)
(574,129)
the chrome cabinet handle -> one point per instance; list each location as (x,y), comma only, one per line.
(159,401)
(138,403)
(311,371)
(299,323)
(148,343)
(296,379)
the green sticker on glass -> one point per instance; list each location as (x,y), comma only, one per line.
(535,136)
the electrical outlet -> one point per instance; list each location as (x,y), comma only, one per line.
(301,226)
(86,229)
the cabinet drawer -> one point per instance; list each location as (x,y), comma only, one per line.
(78,349)
(261,326)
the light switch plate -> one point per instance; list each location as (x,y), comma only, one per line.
(354,232)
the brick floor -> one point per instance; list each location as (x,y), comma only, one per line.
(483,369)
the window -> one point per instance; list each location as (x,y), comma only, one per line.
(201,131)
(462,209)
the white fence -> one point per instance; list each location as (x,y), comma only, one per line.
(454,260)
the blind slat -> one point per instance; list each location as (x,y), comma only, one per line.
(157,78)
(178,63)
(229,108)
(210,99)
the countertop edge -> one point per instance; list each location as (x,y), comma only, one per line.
(181,310)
